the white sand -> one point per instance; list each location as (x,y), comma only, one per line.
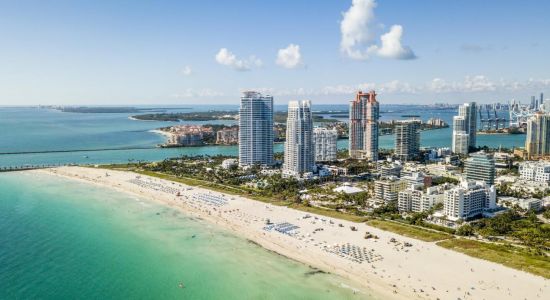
(424,271)
(161,132)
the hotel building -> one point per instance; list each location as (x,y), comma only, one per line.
(415,200)
(469,200)
(388,189)
(538,171)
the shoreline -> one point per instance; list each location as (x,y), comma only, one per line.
(161,132)
(401,273)
(499,133)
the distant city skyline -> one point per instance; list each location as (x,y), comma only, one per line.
(171,52)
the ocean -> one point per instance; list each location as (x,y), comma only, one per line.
(33,136)
(62,239)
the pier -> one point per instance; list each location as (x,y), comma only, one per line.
(32,167)
(75,150)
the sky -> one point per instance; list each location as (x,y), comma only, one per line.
(130,52)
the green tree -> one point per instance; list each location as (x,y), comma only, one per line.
(465,230)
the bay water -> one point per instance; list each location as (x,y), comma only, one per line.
(38,136)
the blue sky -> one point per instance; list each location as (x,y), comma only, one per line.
(171,52)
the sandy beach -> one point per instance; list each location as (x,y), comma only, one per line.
(382,268)
(161,132)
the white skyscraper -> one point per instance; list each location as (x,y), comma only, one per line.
(299,152)
(469,112)
(324,142)
(255,129)
(460,136)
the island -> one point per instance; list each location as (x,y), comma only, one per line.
(278,117)
(107,109)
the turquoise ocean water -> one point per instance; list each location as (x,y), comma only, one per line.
(114,138)
(61,239)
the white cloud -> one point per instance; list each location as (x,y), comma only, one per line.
(469,85)
(226,58)
(355,28)
(192,93)
(289,57)
(438,85)
(282,92)
(186,71)
(357,36)
(392,46)
(479,83)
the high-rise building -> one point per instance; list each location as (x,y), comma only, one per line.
(407,139)
(299,152)
(255,129)
(541,100)
(324,143)
(459,123)
(364,112)
(460,136)
(469,200)
(469,112)
(460,142)
(537,140)
(480,166)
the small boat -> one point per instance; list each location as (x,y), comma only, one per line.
(181,285)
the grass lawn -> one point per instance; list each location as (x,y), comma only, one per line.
(410,231)
(328,212)
(243,192)
(195,182)
(510,256)
(239,191)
